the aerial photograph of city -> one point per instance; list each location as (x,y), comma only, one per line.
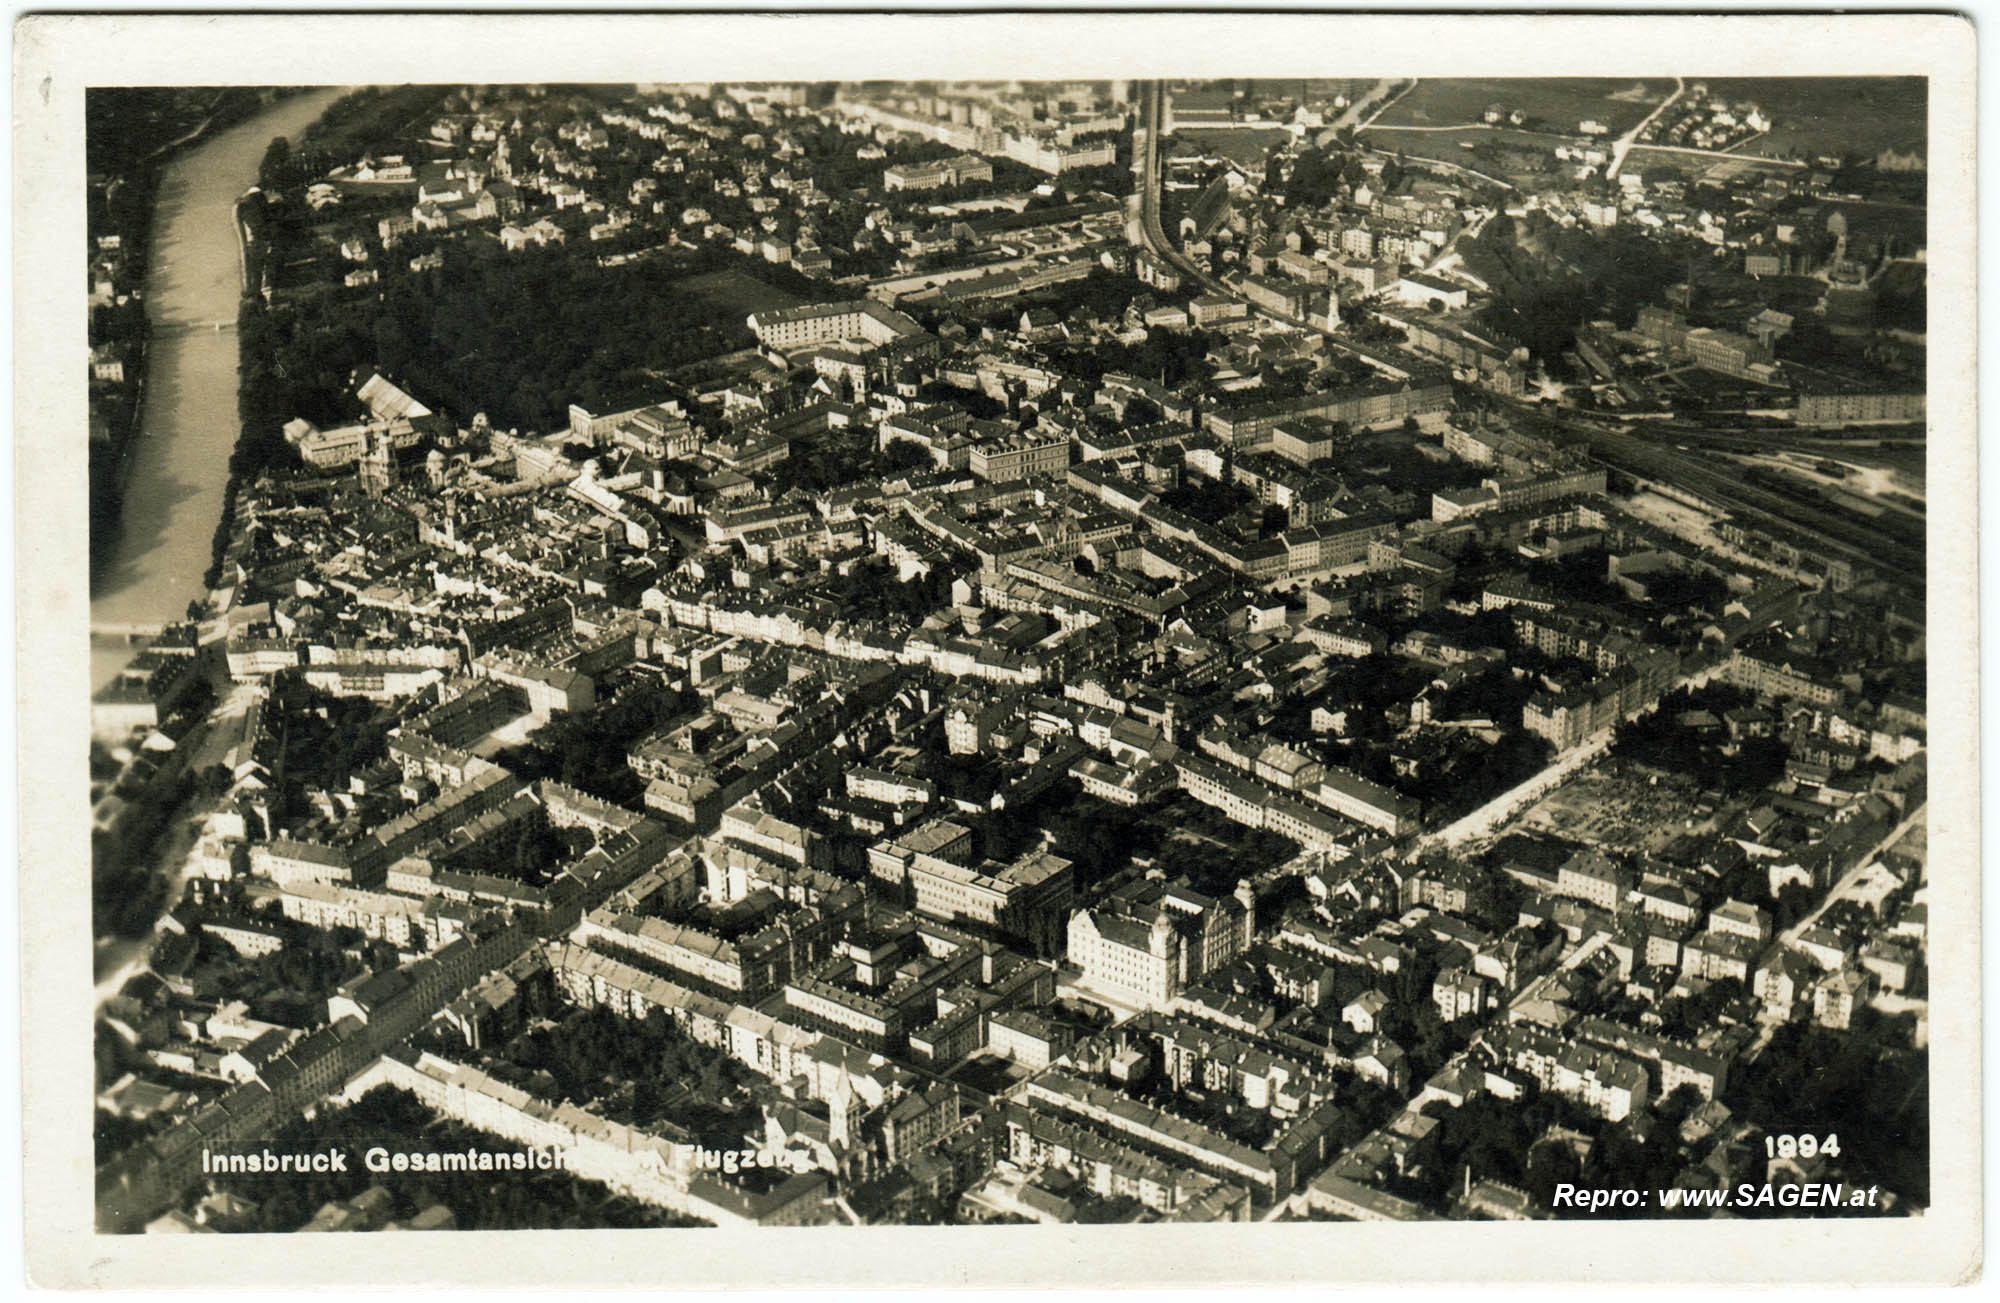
(856,653)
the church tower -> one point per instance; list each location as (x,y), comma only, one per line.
(1246,896)
(378,466)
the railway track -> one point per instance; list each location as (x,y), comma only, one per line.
(1894,547)
(1889,545)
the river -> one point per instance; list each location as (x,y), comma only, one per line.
(180,457)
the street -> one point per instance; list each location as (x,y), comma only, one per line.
(1623,145)
(1839,888)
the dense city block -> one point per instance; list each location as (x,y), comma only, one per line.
(1105,652)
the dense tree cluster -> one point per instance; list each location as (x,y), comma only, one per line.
(1477,774)
(327,738)
(1166,357)
(1318,175)
(1174,834)
(1209,501)
(126,893)
(528,851)
(127,126)
(1665,742)
(384,118)
(586,749)
(836,458)
(641,1071)
(1543,276)
(519,336)
(1865,1085)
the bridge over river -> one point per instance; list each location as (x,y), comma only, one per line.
(176,470)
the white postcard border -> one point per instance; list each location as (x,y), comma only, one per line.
(56,57)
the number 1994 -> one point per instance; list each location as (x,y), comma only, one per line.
(1806,1146)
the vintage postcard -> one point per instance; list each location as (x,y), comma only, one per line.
(1038,649)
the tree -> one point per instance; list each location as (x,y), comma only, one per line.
(1674,1109)
(271,172)
(1795,900)
(214,781)
(1495,903)
(713,1084)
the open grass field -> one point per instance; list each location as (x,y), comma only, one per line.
(1526,157)
(1240,145)
(738,292)
(1831,115)
(1560,103)
(1715,169)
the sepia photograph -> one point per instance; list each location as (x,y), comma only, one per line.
(1271,652)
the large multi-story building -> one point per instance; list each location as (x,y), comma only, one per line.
(1589,876)
(1499,365)
(348,444)
(1711,956)
(1018,456)
(1149,941)
(1783,675)
(1740,918)
(1418,290)
(1286,298)
(1516,492)
(1306,440)
(1271,1173)
(1678,1065)
(656,430)
(755,947)
(1142,961)
(1379,402)
(1303,267)
(831,323)
(1603,1080)
(1028,899)
(1663,327)
(1724,351)
(1351,796)
(1567,719)
(1458,993)
(957,170)
(1211,309)
(549,689)
(1513,454)
(1843,409)
(1048,153)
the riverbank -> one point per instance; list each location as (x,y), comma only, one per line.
(123,194)
(175,466)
